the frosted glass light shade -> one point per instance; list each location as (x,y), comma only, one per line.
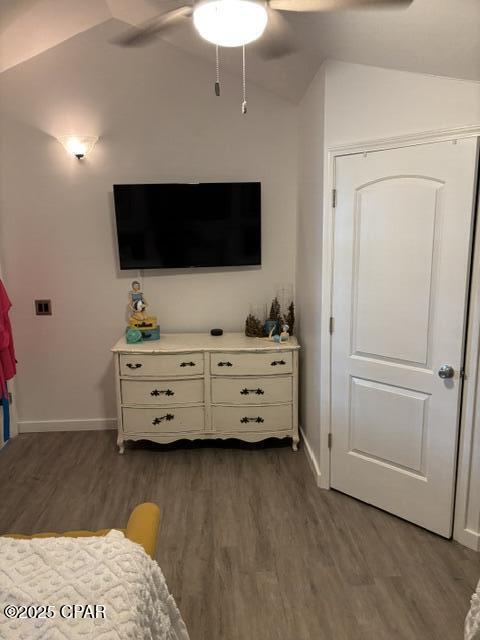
(78,146)
(230,23)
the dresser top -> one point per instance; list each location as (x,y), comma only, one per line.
(186,342)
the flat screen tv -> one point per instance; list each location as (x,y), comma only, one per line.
(188,225)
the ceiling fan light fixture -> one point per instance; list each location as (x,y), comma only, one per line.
(230,23)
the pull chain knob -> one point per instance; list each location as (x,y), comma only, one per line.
(244,82)
(217,68)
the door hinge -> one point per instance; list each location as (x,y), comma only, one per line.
(331,326)
(329,440)
(334,198)
(462,373)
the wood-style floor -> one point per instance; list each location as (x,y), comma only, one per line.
(250,547)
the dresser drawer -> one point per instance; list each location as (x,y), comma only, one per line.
(161,365)
(251,390)
(166,392)
(163,420)
(254,364)
(261,418)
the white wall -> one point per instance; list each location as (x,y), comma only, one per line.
(309,258)
(158,120)
(350,103)
(367,103)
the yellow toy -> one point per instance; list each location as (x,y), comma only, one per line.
(137,304)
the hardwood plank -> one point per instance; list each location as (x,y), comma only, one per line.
(250,547)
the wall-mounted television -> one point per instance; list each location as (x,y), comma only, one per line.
(188,225)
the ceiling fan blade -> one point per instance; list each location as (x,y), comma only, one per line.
(278,39)
(336,5)
(150,30)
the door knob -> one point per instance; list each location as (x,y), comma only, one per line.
(446,371)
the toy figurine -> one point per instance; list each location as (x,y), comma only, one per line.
(139,320)
(137,304)
(284,335)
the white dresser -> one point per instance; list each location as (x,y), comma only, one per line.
(198,386)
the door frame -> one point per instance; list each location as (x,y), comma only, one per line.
(468,439)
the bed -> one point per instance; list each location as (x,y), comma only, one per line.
(103,585)
(142,528)
(472,621)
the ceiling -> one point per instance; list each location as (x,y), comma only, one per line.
(440,37)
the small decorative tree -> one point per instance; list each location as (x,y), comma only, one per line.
(275,311)
(290,320)
(253,327)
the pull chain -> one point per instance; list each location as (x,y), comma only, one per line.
(244,83)
(217,77)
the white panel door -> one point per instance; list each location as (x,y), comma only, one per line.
(403,226)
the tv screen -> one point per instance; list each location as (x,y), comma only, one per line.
(188,225)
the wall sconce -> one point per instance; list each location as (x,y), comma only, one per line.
(78,146)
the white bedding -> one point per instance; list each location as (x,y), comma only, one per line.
(472,622)
(111,571)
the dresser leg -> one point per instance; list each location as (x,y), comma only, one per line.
(295,444)
(121,447)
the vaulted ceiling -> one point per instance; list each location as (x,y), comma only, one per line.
(440,37)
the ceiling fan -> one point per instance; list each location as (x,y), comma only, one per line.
(236,23)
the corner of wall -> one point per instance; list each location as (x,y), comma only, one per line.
(311,458)
(311,152)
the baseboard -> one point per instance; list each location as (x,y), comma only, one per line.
(97,424)
(468,538)
(312,461)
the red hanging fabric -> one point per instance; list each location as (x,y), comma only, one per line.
(7,351)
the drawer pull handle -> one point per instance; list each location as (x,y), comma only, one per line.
(187,364)
(257,419)
(258,392)
(159,392)
(224,364)
(275,362)
(133,365)
(167,416)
